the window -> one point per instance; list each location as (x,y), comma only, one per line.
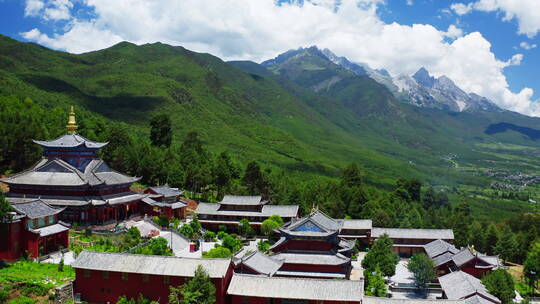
(87,273)
(145,278)
(124,276)
(105,275)
(41,222)
(51,219)
(166,280)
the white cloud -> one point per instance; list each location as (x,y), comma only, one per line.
(410,2)
(461,9)
(526,12)
(527,46)
(33,7)
(454,31)
(515,60)
(58,10)
(259,30)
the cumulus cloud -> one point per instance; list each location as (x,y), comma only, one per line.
(33,7)
(525,12)
(454,31)
(461,9)
(259,30)
(527,46)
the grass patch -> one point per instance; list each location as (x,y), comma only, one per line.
(35,274)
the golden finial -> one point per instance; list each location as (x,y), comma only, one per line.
(72,123)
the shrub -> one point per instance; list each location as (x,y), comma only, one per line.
(22,300)
(218,252)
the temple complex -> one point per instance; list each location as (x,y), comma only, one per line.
(164,201)
(71,175)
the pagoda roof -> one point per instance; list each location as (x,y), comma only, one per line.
(316,224)
(242,200)
(57,172)
(70,140)
(35,209)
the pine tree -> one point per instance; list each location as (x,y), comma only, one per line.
(375,285)
(422,268)
(506,245)
(500,284)
(161,131)
(198,290)
(491,238)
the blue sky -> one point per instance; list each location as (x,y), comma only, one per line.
(486,46)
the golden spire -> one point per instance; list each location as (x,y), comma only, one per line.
(72,123)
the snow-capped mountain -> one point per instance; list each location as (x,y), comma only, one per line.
(420,89)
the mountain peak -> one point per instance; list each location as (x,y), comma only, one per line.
(423,77)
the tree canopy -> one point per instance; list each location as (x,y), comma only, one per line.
(381,257)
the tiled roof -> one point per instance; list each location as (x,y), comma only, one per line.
(150,264)
(295,288)
(463,257)
(35,209)
(356,224)
(267,210)
(259,262)
(406,233)
(57,172)
(439,247)
(52,229)
(70,141)
(242,200)
(312,259)
(442,259)
(461,285)
(166,191)
(316,224)
(57,200)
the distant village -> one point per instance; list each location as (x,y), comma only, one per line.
(309,259)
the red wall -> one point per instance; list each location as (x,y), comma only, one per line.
(312,268)
(10,235)
(96,289)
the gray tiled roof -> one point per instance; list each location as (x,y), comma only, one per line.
(267,210)
(260,263)
(35,209)
(242,200)
(70,141)
(463,257)
(52,229)
(356,224)
(166,191)
(306,274)
(295,288)
(377,300)
(477,300)
(56,172)
(64,201)
(442,259)
(406,233)
(461,285)
(439,247)
(312,259)
(150,264)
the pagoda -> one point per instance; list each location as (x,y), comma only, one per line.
(311,247)
(71,175)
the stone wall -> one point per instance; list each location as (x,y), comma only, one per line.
(64,294)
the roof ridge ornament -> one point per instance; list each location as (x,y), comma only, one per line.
(72,123)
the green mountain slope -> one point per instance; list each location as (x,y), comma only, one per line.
(304,114)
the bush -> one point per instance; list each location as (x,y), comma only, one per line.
(33,289)
(209,236)
(4,295)
(218,252)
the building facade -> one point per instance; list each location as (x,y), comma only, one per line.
(33,230)
(164,200)
(104,277)
(410,241)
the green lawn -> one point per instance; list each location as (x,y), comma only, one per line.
(46,275)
